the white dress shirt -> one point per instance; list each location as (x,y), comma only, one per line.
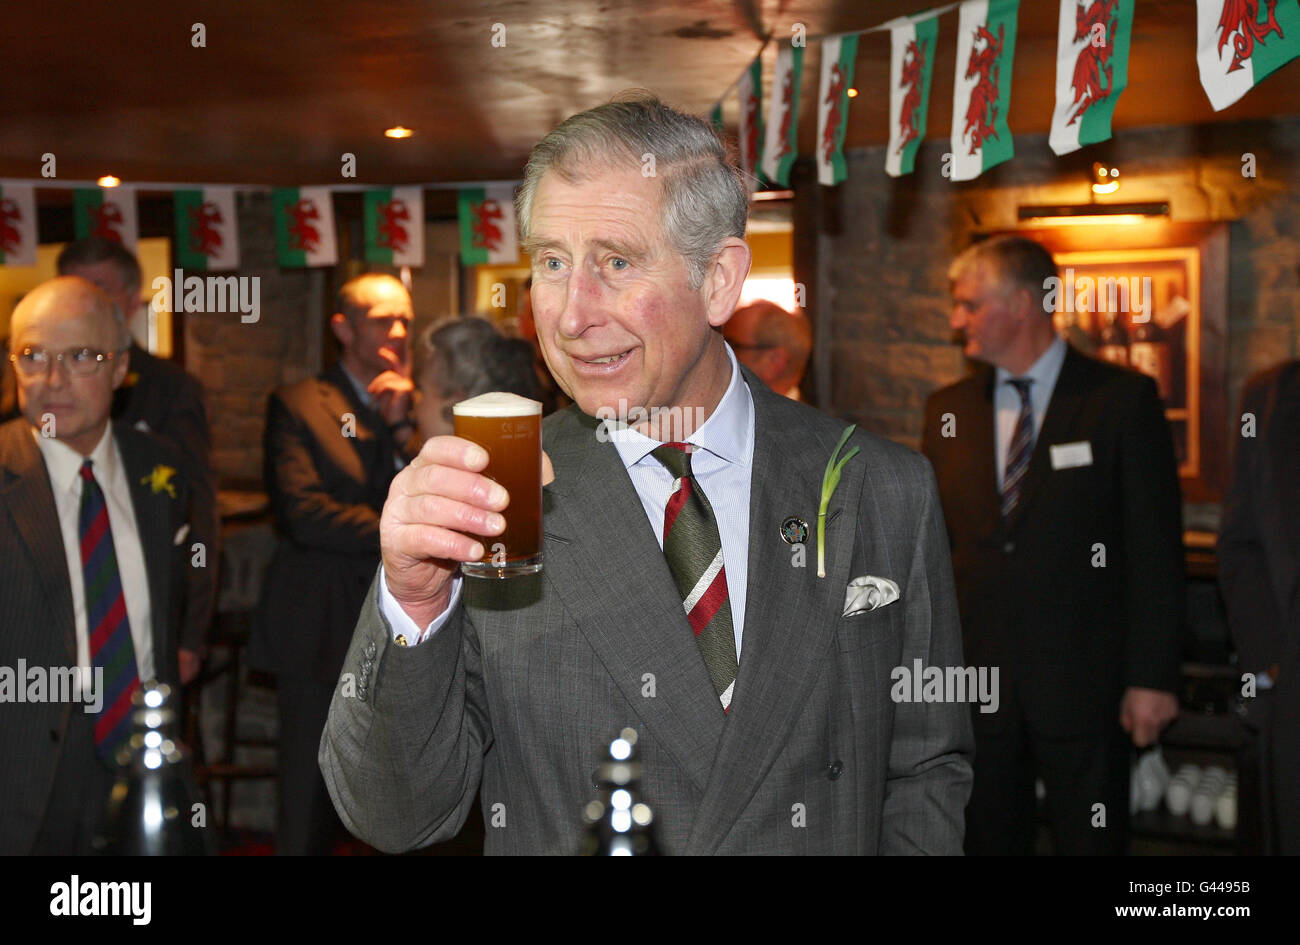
(63,464)
(722,464)
(1006,399)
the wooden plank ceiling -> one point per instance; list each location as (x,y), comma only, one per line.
(282,90)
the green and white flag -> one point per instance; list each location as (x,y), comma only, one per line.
(750,92)
(715,117)
(487,225)
(1091,70)
(911,66)
(838,55)
(394,220)
(207,229)
(107,213)
(304,226)
(1239,43)
(981,95)
(17,225)
(781,144)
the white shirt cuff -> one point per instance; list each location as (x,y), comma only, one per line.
(402,625)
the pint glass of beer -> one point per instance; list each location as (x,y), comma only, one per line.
(509,427)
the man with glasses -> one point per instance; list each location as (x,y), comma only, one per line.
(772,343)
(93,524)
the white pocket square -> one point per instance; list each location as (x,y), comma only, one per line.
(867,593)
(181,533)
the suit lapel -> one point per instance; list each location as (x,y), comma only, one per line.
(595,528)
(153,524)
(790,614)
(338,396)
(985,467)
(25,484)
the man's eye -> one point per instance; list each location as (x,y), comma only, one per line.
(83,355)
(551,264)
(619,263)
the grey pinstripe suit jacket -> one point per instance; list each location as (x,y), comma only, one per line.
(524,686)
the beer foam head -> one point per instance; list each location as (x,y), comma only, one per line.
(497,404)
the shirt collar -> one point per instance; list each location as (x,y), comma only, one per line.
(362,393)
(64,463)
(728,433)
(1045,368)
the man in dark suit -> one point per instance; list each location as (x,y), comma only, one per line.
(1259,571)
(1061,495)
(93,533)
(680,592)
(333,444)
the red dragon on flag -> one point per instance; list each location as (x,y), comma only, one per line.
(982,111)
(11,238)
(204,237)
(103,219)
(302,235)
(1099,18)
(910,80)
(486,233)
(1239,22)
(834,91)
(787,113)
(392,235)
(751,133)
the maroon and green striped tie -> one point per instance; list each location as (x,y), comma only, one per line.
(110,631)
(694,552)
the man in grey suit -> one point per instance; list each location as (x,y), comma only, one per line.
(773,730)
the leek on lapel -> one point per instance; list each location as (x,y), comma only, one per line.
(831,479)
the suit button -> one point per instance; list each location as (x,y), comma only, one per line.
(834,769)
(1008,547)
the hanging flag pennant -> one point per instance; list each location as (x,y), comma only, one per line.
(394,222)
(715,117)
(750,91)
(1239,42)
(17,225)
(487,225)
(1091,70)
(304,226)
(981,96)
(838,55)
(207,228)
(911,66)
(781,145)
(106,213)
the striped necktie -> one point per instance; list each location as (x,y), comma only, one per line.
(111,649)
(694,552)
(1020,450)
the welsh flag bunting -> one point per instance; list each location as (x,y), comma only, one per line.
(838,54)
(304,226)
(1238,43)
(17,225)
(911,65)
(394,222)
(781,144)
(715,117)
(108,213)
(750,91)
(1091,70)
(981,95)
(207,229)
(487,225)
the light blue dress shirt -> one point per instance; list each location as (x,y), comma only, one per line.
(1006,400)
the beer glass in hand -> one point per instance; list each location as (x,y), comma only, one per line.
(509,427)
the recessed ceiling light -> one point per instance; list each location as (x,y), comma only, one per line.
(397,131)
(108,180)
(852,93)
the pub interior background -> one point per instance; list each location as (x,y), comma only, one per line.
(870,254)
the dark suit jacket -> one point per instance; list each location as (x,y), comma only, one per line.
(327,490)
(36,609)
(1069,636)
(529,680)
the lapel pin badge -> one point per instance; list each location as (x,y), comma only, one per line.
(794,530)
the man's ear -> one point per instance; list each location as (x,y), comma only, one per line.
(342,328)
(726,278)
(121,365)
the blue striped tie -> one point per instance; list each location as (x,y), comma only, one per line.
(111,648)
(1020,450)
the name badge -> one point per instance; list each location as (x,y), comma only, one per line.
(1069,455)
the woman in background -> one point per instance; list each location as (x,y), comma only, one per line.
(462,358)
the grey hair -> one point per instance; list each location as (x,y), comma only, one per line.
(466,356)
(1017,262)
(703,196)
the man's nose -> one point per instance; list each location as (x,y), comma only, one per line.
(583,296)
(398,330)
(56,375)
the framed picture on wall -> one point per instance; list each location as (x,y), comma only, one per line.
(1153,297)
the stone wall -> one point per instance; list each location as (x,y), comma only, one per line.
(876,263)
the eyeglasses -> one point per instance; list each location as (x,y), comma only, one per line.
(79,362)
